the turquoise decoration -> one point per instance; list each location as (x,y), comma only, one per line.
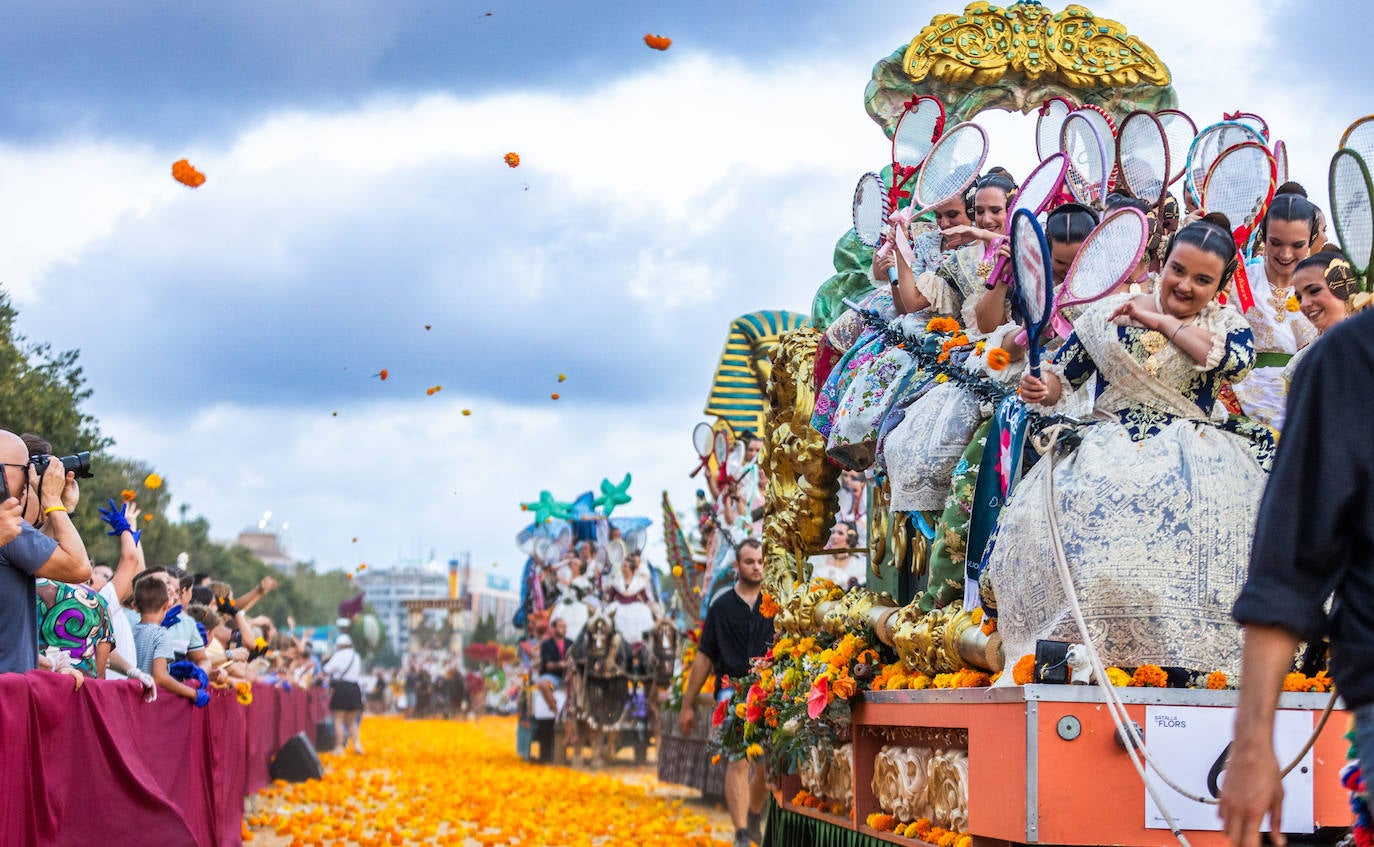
(613,495)
(546,508)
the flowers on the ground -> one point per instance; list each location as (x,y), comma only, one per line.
(407,791)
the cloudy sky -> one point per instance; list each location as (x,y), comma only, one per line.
(356,193)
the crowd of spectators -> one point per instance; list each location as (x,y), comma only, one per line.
(174,632)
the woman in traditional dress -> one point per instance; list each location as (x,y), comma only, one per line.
(1289,229)
(632,597)
(1156,506)
(1328,292)
(1066,228)
(861,389)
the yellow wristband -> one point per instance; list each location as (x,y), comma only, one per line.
(51,509)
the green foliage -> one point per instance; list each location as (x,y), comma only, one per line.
(41,391)
(485,631)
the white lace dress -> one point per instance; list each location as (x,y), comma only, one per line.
(1155,508)
(1264,393)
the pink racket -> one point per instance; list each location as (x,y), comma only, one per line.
(1081,142)
(914,136)
(1240,185)
(1108,257)
(950,168)
(1048,125)
(1034,195)
(1281,162)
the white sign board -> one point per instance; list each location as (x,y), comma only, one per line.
(1190,743)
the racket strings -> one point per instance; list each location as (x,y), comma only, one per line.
(915,135)
(1109,256)
(1239,185)
(951,166)
(1360,138)
(1039,188)
(1030,272)
(1048,126)
(1209,145)
(1144,158)
(1180,132)
(1352,209)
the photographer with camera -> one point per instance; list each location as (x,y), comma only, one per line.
(57,552)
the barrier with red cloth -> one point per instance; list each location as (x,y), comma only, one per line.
(100,766)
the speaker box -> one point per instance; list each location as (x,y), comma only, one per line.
(324,735)
(296,761)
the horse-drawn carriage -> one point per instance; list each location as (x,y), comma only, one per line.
(586,569)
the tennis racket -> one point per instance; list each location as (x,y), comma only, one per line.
(1180,130)
(1106,128)
(1280,162)
(1207,147)
(615,553)
(1252,120)
(1033,291)
(1048,124)
(1352,209)
(1035,194)
(951,167)
(871,209)
(1359,137)
(1142,158)
(1240,185)
(1108,257)
(701,442)
(915,134)
(722,448)
(1081,142)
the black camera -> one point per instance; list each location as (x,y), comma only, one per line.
(80,464)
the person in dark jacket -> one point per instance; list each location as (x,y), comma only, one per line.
(1314,536)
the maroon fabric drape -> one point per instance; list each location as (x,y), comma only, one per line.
(100,766)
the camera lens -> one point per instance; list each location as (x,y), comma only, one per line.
(80,464)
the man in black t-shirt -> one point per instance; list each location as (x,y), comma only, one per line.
(734,634)
(1314,535)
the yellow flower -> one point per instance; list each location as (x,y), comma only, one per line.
(1292,303)
(152,482)
(1118,677)
(753,751)
(941,378)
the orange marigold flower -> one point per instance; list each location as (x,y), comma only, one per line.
(512,159)
(768,607)
(998,359)
(1295,682)
(147,517)
(658,42)
(383,374)
(183,173)
(1150,676)
(989,626)
(1216,681)
(942,324)
(845,687)
(127,495)
(882,822)
(1024,671)
(553,396)
(152,482)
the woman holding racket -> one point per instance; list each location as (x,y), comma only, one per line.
(1290,228)
(1157,505)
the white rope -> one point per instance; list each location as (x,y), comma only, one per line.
(1116,707)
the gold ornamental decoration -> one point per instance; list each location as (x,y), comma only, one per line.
(1074,46)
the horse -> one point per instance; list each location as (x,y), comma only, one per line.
(599,694)
(663,648)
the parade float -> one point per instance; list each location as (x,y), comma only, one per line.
(586,567)
(884,717)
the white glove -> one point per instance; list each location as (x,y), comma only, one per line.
(146,680)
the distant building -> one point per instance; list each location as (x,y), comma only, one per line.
(266,545)
(493,596)
(387,588)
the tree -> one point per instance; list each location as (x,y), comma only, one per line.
(485,631)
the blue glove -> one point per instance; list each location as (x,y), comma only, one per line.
(118,521)
(185,671)
(202,698)
(172,617)
(204,636)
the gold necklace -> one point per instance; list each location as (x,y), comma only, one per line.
(1278,301)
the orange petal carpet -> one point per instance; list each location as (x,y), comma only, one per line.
(461,783)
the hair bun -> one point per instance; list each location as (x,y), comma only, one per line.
(1219,219)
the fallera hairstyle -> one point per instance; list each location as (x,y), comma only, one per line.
(1291,187)
(851,533)
(150,595)
(1211,234)
(1336,270)
(1293,207)
(1000,180)
(1070,223)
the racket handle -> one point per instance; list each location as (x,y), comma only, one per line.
(999,268)
(1033,352)
(892,274)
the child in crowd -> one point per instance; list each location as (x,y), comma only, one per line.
(154,647)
